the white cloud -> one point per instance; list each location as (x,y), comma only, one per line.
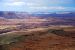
(57,8)
(12,0)
(20,4)
(50,8)
(14,3)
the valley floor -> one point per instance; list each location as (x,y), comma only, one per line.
(48,38)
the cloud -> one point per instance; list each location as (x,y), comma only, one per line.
(50,8)
(57,8)
(20,4)
(41,5)
(14,3)
(53,8)
(11,0)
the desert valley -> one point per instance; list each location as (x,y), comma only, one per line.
(25,31)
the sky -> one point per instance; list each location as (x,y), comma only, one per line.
(37,5)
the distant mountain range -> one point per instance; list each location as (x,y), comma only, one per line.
(45,18)
(13,15)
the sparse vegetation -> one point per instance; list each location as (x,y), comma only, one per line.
(43,38)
